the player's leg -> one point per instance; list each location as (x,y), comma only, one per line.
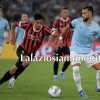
(95,63)
(98,80)
(21,66)
(66,52)
(8,75)
(97,67)
(76,73)
(56,63)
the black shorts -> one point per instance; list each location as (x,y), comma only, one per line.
(62,50)
(21,52)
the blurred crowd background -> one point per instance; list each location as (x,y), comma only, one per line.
(50,8)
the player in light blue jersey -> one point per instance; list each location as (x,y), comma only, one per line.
(20,35)
(20,28)
(85,31)
(4,30)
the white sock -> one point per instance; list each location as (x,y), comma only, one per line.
(77,78)
(98,78)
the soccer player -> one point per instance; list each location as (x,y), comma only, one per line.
(62,26)
(85,30)
(20,31)
(4,30)
(33,38)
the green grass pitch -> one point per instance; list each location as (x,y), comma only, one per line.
(33,84)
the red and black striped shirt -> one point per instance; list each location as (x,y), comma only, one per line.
(22,25)
(61,23)
(33,39)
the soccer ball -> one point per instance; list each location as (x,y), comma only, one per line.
(54,91)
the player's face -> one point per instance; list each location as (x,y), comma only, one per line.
(24,18)
(38,24)
(86,14)
(64,13)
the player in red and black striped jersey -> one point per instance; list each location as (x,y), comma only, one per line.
(34,35)
(63,25)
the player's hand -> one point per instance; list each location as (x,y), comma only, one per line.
(65,29)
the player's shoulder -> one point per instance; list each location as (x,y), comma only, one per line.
(4,20)
(77,19)
(95,26)
(95,23)
(28,27)
(57,19)
(46,27)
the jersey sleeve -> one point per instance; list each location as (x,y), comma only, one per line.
(97,32)
(98,35)
(74,23)
(7,27)
(22,25)
(55,25)
(47,30)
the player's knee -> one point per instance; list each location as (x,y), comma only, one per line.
(96,66)
(25,63)
(98,74)
(13,70)
(75,68)
(76,74)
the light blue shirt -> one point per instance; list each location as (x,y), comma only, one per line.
(20,35)
(83,35)
(4,27)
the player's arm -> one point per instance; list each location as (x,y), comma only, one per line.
(63,30)
(96,34)
(7,32)
(56,39)
(13,33)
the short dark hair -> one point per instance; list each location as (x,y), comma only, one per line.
(90,8)
(38,16)
(64,7)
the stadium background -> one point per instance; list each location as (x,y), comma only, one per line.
(50,8)
(35,81)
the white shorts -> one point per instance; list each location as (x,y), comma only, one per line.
(90,58)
